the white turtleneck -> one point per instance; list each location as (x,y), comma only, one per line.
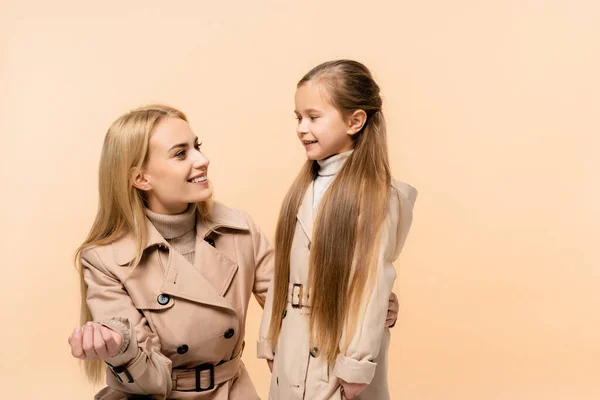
(328,168)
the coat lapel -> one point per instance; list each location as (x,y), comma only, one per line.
(213,271)
(216,267)
(211,275)
(184,280)
(305,214)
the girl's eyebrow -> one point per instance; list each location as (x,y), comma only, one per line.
(310,110)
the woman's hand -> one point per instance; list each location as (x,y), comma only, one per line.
(350,390)
(392,314)
(93,342)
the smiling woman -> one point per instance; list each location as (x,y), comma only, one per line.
(160,259)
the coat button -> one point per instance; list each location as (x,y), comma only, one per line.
(182,349)
(229,334)
(283,314)
(314,352)
(163,299)
(210,241)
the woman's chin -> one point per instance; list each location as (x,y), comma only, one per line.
(204,196)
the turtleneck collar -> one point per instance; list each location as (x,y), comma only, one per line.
(330,166)
(173,226)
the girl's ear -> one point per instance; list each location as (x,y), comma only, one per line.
(356,121)
(139,179)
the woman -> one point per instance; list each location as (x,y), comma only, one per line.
(166,273)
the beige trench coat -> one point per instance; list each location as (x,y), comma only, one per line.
(177,315)
(298,371)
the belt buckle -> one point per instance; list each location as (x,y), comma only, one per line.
(300,290)
(199,369)
(205,367)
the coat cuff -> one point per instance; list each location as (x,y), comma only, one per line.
(354,371)
(264,349)
(129,347)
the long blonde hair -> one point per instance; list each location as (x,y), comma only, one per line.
(345,241)
(121,205)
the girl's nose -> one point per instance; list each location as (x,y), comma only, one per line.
(302,127)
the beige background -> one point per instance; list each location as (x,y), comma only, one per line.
(493,111)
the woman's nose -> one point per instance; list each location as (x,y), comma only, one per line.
(200,161)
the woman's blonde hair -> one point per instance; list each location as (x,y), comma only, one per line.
(121,205)
(345,241)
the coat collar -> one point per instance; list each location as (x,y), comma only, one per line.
(305,214)
(222,217)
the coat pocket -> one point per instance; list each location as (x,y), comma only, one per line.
(274,386)
(318,369)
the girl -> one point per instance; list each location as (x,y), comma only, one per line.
(166,273)
(342,224)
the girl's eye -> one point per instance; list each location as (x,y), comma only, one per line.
(198,146)
(313,117)
(298,118)
(180,154)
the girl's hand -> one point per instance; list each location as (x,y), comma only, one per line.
(350,390)
(392,314)
(94,342)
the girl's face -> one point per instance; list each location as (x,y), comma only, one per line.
(175,173)
(322,129)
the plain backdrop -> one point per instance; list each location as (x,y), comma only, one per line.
(493,114)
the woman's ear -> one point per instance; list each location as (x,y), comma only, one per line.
(356,121)
(139,179)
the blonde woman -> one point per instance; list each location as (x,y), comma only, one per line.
(342,224)
(166,274)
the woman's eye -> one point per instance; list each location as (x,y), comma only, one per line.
(198,146)
(180,154)
(313,117)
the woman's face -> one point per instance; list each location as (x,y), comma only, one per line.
(175,173)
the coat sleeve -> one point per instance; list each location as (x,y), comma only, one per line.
(356,364)
(140,368)
(263,260)
(263,345)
